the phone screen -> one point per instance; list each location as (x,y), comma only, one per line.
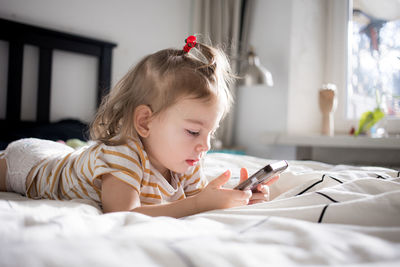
(263,175)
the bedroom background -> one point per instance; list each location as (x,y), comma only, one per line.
(302,43)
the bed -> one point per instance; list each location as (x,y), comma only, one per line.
(18,35)
(318,214)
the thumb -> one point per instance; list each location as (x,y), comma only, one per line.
(222,179)
(243,175)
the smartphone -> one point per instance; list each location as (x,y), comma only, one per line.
(263,175)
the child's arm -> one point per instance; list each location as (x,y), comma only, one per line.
(119,196)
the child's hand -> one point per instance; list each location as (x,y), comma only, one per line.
(215,197)
(261,193)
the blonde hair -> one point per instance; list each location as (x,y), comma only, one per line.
(158,81)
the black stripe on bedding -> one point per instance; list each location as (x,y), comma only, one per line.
(9,204)
(254,225)
(378,176)
(311,186)
(336,179)
(398,174)
(320,181)
(328,197)
(188,262)
(322,213)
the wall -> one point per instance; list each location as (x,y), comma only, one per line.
(138,27)
(263,109)
(307,66)
(289,37)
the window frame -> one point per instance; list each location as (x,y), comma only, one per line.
(337,67)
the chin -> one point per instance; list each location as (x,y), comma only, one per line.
(181,169)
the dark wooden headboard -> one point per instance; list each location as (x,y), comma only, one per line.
(17,35)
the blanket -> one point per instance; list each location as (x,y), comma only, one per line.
(319,214)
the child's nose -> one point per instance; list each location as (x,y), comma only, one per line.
(204,145)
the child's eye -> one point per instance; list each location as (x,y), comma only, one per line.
(193,133)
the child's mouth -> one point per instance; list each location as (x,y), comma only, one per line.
(191,162)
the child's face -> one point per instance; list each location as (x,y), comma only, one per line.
(180,136)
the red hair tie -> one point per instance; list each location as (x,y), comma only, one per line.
(190,43)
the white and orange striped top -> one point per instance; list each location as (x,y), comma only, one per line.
(78,175)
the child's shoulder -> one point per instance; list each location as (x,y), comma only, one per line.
(129,148)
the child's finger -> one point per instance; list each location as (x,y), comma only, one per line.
(259,197)
(261,188)
(239,194)
(251,202)
(272,180)
(248,194)
(244,197)
(243,175)
(222,179)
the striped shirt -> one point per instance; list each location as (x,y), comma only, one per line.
(78,175)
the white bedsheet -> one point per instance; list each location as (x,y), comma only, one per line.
(319,214)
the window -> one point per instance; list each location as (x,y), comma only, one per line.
(374,58)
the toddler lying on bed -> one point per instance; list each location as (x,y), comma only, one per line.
(150,134)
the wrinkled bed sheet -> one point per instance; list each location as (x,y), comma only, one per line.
(319,214)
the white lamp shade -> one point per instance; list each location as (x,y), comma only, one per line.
(254,73)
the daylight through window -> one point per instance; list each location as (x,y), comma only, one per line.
(374,72)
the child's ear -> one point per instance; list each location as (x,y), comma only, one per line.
(141,119)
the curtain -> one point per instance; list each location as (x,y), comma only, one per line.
(225,23)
